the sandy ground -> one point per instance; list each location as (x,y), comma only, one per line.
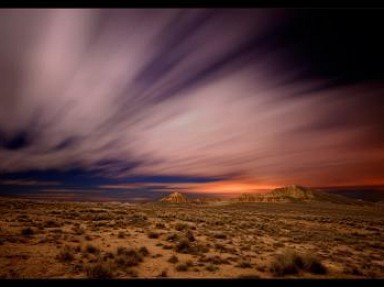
(257,240)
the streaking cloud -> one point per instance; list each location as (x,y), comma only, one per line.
(189,93)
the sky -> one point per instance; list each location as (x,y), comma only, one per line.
(136,103)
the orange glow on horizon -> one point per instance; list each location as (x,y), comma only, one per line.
(226,186)
(232,186)
(229,187)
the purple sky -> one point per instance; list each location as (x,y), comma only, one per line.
(247,95)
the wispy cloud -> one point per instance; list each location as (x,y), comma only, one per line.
(197,92)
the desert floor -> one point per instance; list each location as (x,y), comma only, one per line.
(240,240)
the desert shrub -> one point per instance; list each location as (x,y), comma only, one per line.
(172,237)
(65,255)
(352,270)
(160,225)
(220,247)
(92,249)
(287,263)
(233,259)
(182,267)
(99,270)
(291,262)
(88,237)
(132,272)
(313,265)
(74,240)
(76,268)
(27,231)
(216,260)
(220,235)
(121,250)
(173,259)
(189,235)
(181,226)
(127,257)
(121,234)
(143,251)
(163,273)
(212,268)
(153,235)
(244,264)
(261,268)
(183,246)
(138,220)
(79,230)
(189,263)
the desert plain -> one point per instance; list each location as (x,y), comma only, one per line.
(218,239)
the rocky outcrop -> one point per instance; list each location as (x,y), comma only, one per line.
(288,193)
(175,197)
(293,192)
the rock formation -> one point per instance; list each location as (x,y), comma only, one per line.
(175,197)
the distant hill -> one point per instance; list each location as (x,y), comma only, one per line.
(291,193)
(288,193)
(297,193)
(372,194)
(175,197)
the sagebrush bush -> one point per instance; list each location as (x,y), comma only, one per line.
(127,257)
(286,263)
(313,265)
(160,225)
(65,255)
(92,249)
(181,226)
(220,235)
(100,271)
(27,231)
(189,235)
(183,246)
(172,237)
(291,262)
(153,235)
(244,264)
(212,268)
(182,267)
(143,251)
(173,259)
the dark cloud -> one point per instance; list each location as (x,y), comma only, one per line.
(18,141)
